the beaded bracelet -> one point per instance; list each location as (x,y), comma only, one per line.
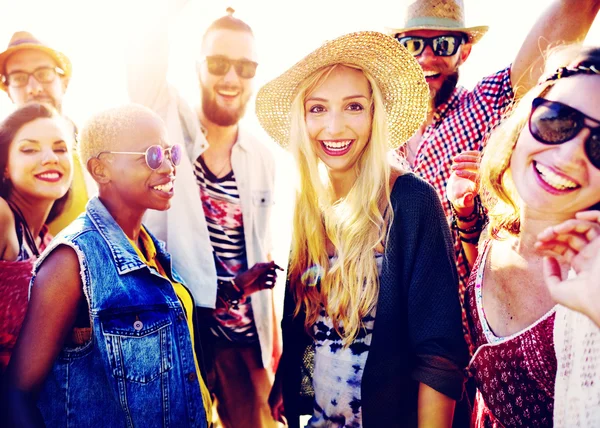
(232,299)
(477,209)
(474,240)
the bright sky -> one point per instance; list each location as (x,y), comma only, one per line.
(92,33)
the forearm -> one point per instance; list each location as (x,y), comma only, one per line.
(564,22)
(434,408)
(21,409)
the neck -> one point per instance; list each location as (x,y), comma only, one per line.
(532,224)
(219,137)
(128,219)
(35,211)
(342,182)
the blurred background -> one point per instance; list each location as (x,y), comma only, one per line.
(92,34)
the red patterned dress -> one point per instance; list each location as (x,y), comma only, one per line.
(515,374)
(14,291)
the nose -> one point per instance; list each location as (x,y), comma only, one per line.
(426,56)
(336,123)
(33,86)
(231,76)
(167,167)
(49,157)
(572,152)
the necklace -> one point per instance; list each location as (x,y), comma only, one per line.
(225,166)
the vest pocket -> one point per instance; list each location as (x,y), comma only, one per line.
(139,343)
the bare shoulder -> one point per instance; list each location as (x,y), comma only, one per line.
(9,243)
(60,269)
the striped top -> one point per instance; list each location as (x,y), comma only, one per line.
(223,211)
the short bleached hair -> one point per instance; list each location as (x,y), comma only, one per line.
(101,132)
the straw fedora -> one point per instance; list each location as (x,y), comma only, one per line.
(396,72)
(439,15)
(24,40)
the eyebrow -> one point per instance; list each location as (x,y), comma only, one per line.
(345,98)
(30,140)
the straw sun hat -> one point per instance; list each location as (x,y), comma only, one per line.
(396,72)
(441,15)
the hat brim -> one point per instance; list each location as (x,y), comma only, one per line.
(61,59)
(473,33)
(395,71)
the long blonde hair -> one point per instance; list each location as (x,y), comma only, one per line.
(356,225)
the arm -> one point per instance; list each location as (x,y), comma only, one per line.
(147,53)
(434,316)
(565,21)
(9,243)
(55,296)
(435,409)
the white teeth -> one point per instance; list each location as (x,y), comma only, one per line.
(228,93)
(429,73)
(557,181)
(337,145)
(167,187)
(49,175)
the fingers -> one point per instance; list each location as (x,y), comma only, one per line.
(589,216)
(469,175)
(552,273)
(568,238)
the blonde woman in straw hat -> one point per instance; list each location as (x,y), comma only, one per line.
(460,120)
(372,331)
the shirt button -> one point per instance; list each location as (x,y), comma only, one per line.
(191,376)
(138,325)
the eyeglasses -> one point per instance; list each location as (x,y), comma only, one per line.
(220,65)
(551,122)
(19,79)
(446,45)
(155,155)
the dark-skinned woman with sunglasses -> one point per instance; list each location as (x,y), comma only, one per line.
(109,336)
(35,177)
(540,182)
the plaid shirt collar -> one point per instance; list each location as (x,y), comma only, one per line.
(451,103)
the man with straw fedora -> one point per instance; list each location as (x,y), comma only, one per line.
(459,120)
(30,70)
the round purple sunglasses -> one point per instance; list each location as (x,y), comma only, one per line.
(155,155)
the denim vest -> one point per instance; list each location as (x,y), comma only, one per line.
(138,369)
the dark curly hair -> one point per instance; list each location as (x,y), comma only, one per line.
(8,129)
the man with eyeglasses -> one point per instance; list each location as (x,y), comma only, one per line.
(32,71)
(218,226)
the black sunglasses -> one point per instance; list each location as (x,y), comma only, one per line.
(551,122)
(220,66)
(445,45)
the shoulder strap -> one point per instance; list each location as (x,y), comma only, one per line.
(20,221)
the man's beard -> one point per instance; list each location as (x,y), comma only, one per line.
(443,94)
(217,115)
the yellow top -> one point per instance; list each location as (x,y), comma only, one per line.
(77,201)
(186,301)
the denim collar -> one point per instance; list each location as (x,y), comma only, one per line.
(123,254)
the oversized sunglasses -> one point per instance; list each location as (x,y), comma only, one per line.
(220,66)
(446,45)
(155,155)
(551,122)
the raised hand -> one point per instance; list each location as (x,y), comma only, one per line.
(463,184)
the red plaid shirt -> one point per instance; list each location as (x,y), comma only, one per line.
(463,123)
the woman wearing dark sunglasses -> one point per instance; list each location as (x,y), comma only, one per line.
(540,169)
(108,339)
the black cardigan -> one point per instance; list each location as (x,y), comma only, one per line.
(418,334)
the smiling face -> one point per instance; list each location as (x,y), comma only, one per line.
(439,69)
(338,119)
(224,98)
(131,183)
(559,179)
(29,60)
(39,160)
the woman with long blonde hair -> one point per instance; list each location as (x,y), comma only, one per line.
(372,327)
